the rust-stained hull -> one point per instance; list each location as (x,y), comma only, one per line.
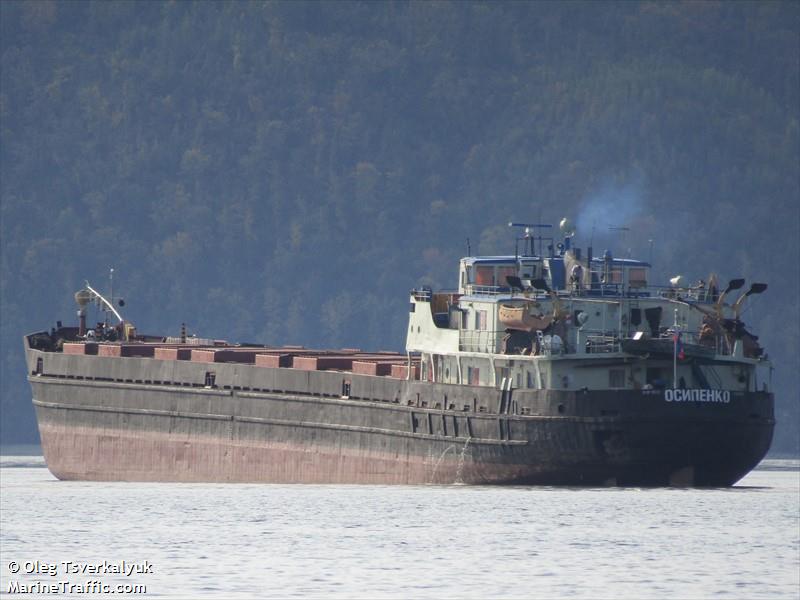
(83,453)
(144,419)
(95,454)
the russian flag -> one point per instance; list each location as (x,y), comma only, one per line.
(676,337)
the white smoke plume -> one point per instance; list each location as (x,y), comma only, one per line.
(613,205)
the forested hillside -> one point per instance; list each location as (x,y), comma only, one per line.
(284,172)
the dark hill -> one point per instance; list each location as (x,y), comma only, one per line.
(285,172)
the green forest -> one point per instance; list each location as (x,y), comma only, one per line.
(284,172)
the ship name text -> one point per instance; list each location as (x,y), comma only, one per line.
(723,396)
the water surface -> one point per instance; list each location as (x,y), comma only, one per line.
(232,540)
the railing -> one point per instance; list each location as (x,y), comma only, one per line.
(426,294)
(546,345)
(719,344)
(609,290)
(423,294)
(602,290)
(588,342)
(478,341)
(602,344)
(700,294)
(490,342)
(472,289)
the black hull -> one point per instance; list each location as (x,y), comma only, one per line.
(133,419)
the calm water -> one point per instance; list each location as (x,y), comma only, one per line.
(394,542)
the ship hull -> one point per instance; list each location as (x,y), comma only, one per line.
(95,454)
(131,419)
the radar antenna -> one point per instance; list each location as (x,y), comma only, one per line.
(529,237)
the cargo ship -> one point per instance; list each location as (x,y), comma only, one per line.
(548,366)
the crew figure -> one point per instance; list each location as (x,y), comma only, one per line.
(576,277)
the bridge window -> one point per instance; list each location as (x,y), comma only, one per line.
(503,272)
(480,320)
(615,276)
(637,277)
(484,275)
(529,270)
